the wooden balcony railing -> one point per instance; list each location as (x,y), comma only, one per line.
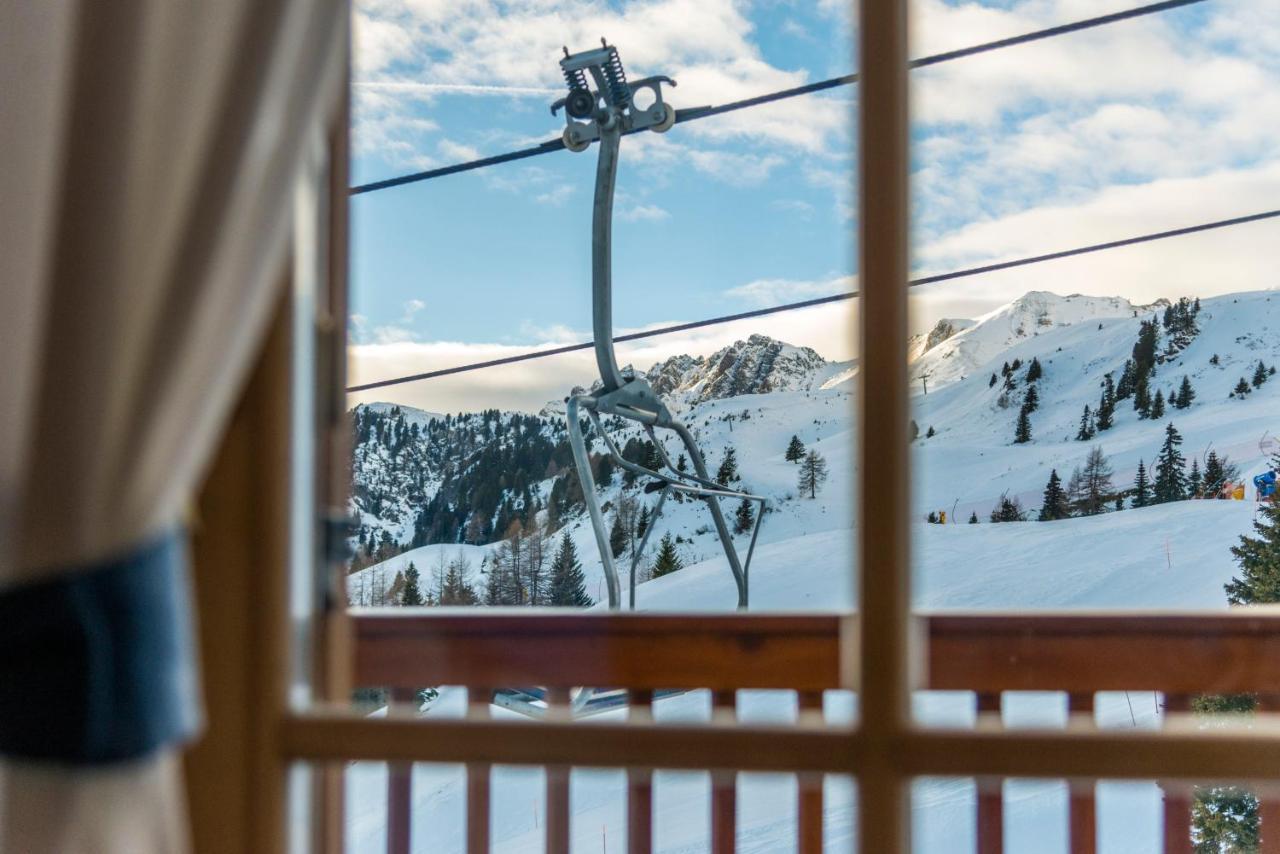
(1178,655)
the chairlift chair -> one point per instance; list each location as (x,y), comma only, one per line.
(606,113)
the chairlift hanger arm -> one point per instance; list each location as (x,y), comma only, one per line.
(606,113)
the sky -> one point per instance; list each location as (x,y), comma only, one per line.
(1155,123)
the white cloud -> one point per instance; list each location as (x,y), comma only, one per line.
(768,292)
(556,196)
(798,207)
(512,47)
(456,150)
(1232,259)
(646,213)
(379,43)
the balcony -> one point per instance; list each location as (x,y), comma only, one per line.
(1176,654)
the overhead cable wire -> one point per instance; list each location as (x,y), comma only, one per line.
(831,298)
(695,113)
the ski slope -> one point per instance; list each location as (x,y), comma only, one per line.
(971,566)
(1168,556)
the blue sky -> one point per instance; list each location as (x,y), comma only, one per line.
(1154,123)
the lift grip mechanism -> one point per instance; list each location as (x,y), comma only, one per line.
(605,113)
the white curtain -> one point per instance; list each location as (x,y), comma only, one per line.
(148,153)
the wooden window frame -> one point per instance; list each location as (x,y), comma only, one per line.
(880,655)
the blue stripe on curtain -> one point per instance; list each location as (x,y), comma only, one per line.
(96,665)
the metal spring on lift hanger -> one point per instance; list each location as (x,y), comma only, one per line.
(576,79)
(619,91)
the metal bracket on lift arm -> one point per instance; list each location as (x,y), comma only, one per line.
(605,114)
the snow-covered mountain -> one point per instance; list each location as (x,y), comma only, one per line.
(753,396)
(1173,555)
(956,349)
(759,365)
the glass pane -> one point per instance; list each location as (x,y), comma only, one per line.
(465,486)
(1094,432)
(476,488)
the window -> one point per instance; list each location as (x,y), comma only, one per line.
(959,766)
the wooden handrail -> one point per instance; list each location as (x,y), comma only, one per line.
(569,648)
(985,652)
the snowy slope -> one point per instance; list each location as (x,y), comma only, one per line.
(972,461)
(981,566)
(1168,556)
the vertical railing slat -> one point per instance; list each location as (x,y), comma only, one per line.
(478,780)
(1082,820)
(809,787)
(399,787)
(990,794)
(724,784)
(558,781)
(1177,795)
(640,786)
(1268,804)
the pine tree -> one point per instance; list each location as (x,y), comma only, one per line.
(795,449)
(993,380)
(1055,500)
(973,517)
(1171,478)
(1259,558)
(1142,396)
(1218,472)
(668,560)
(455,589)
(642,522)
(1157,406)
(411,594)
(1007,510)
(1241,389)
(1186,394)
(568,582)
(1124,388)
(1107,406)
(1194,483)
(682,464)
(1259,374)
(1225,819)
(604,470)
(743,517)
(619,536)
(1032,401)
(930,433)
(1022,431)
(1034,371)
(728,471)
(813,473)
(1085,433)
(1141,488)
